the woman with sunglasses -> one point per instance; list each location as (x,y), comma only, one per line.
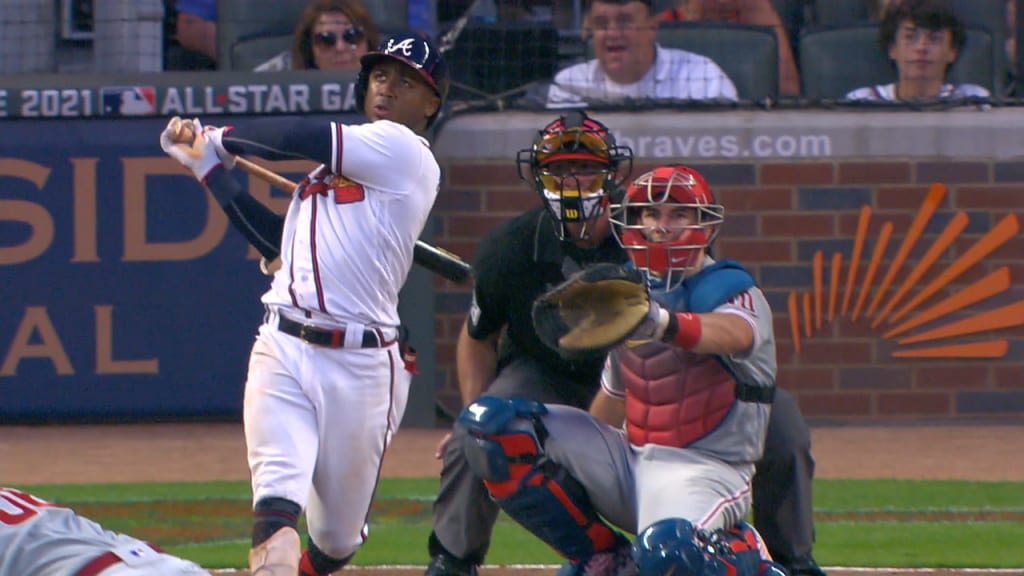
(332,35)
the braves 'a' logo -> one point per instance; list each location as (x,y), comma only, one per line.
(405,46)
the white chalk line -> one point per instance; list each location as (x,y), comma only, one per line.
(554,567)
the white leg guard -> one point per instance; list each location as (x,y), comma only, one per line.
(278,555)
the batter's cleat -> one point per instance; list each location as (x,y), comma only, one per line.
(803,566)
(278,555)
(444,564)
(615,562)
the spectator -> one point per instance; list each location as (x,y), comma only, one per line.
(631,65)
(751,12)
(332,35)
(196,26)
(878,7)
(923,39)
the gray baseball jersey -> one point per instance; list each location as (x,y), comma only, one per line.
(706,481)
(38,538)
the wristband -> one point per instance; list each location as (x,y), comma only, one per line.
(683,330)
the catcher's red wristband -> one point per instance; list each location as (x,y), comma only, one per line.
(683,330)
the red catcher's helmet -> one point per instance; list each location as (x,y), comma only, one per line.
(665,250)
(570,196)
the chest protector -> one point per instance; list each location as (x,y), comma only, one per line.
(675,396)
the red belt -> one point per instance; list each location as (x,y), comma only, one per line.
(106,560)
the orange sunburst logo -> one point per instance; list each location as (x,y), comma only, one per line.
(893,312)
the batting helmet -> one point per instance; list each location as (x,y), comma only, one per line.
(667,220)
(570,194)
(415,51)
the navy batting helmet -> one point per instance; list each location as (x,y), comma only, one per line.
(415,51)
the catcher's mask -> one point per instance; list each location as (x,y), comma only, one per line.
(667,220)
(574,164)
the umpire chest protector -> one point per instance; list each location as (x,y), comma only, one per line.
(674,396)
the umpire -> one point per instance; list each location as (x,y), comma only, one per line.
(576,167)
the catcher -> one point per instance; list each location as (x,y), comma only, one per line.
(692,376)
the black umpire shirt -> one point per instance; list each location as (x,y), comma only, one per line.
(516,262)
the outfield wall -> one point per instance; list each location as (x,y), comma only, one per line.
(795,183)
(126,295)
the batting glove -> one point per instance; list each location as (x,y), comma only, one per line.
(216,136)
(199,156)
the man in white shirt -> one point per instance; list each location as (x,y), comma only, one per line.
(630,65)
(923,38)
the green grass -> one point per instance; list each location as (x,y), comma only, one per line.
(858,522)
(852,495)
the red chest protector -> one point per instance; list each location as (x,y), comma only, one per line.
(673,396)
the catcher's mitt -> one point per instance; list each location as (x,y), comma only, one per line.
(595,309)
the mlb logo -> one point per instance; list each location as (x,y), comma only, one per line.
(128,100)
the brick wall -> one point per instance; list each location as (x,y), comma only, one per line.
(778,215)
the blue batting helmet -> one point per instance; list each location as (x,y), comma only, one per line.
(412,50)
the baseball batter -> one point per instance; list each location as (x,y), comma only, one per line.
(38,538)
(693,384)
(328,383)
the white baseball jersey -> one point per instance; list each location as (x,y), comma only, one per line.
(320,416)
(676,75)
(887,93)
(38,538)
(350,229)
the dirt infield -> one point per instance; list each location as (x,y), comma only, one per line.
(216,451)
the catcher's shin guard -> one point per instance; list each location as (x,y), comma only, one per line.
(504,447)
(674,546)
(278,555)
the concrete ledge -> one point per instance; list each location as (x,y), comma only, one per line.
(753,135)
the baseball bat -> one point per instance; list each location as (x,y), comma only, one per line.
(447,41)
(438,260)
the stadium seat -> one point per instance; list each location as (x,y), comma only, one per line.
(840,13)
(128,36)
(247,37)
(749,55)
(864,64)
(989,16)
(976,64)
(834,61)
(389,15)
(491,59)
(27,37)
(249,52)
